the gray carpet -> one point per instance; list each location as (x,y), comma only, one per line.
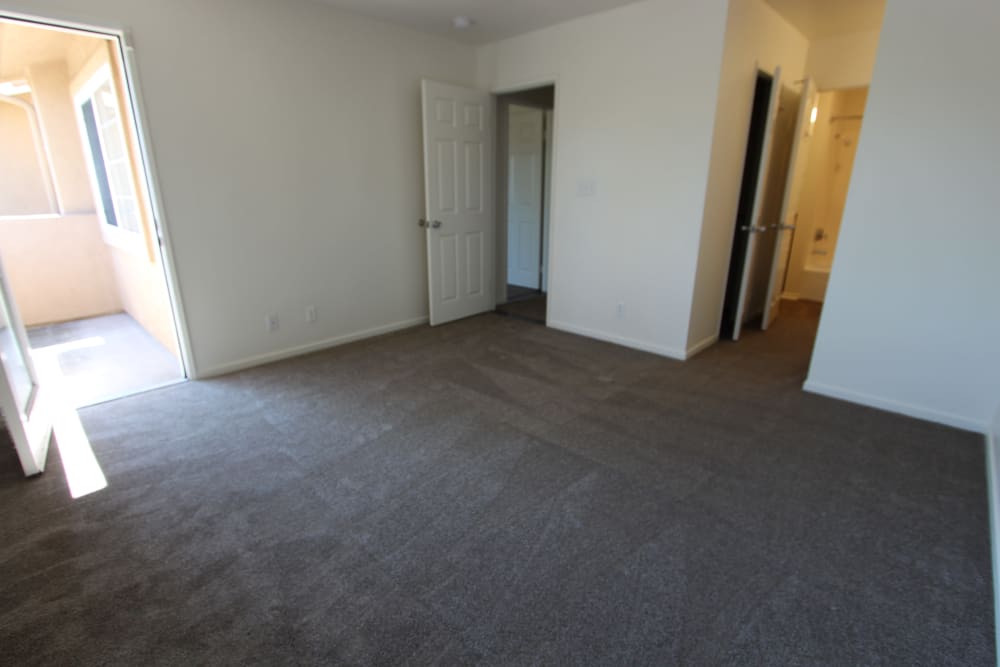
(515,292)
(497,492)
(532,309)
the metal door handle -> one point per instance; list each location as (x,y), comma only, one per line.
(785,228)
(436,224)
(422,223)
(753,229)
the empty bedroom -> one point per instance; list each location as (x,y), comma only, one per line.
(556,332)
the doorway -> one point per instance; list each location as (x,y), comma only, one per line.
(800,155)
(524,187)
(834,141)
(78,238)
(765,215)
(752,165)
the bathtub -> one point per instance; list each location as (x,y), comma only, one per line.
(815,277)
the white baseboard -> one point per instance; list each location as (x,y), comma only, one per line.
(299,350)
(992,481)
(661,350)
(702,346)
(927,414)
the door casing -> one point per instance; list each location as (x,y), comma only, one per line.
(67,22)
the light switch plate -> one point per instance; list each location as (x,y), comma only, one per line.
(586,188)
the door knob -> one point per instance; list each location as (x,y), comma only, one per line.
(422,223)
(436,224)
(753,229)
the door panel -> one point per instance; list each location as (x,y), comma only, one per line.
(524,210)
(474,261)
(446,183)
(777,176)
(25,405)
(449,267)
(457,125)
(788,217)
(474,178)
(756,227)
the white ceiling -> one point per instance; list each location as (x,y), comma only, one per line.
(817,19)
(495,19)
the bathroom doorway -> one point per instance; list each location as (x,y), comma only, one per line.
(799,161)
(830,162)
(768,199)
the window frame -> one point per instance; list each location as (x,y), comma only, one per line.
(131,240)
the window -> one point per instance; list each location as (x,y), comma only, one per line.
(110,166)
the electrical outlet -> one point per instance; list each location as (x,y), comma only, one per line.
(621,311)
(272,323)
(311,315)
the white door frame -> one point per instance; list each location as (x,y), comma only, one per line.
(29,422)
(521,212)
(133,96)
(500,149)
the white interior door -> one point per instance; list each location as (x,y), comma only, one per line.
(526,146)
(458,180)
(25,406)
(756,227)
(550,135)
(788,218)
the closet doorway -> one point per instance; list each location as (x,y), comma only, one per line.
(524,186)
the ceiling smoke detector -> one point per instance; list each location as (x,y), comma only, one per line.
(462,22)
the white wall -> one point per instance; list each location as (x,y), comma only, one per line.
(756,38)
(635,99)
(287,140)
(844,61)
(912,321)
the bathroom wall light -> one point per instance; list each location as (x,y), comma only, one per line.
(813,115)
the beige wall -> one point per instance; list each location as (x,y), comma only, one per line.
(824,192)
(144,295)
(57,118)
(63,267)
(138,271)
(844,61)
(59,268)
(22,190)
